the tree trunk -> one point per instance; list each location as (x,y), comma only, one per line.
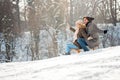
(113,11)
(7,45)
(18,17)
(55,45)
(71,13)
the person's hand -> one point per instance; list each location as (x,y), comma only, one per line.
(89,38)
(105,31)
(68,26)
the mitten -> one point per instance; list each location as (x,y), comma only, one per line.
(105,31)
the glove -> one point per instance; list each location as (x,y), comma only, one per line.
(105,31)
(89,38)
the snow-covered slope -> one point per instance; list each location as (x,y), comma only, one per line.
(101,64)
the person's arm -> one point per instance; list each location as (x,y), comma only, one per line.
(96,29)
(84,34)
(72,29)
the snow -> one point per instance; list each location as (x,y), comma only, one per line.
(100,64)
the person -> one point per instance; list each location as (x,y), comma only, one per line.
(79,32)
(92,31)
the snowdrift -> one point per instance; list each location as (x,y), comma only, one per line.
(101,64)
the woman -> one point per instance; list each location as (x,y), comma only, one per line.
(92,31)
(79,32)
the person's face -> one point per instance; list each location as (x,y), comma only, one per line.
(85,21)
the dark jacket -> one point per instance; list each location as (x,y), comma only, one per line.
(81,34)
(93,31)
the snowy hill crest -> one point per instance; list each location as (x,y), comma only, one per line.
(101,64)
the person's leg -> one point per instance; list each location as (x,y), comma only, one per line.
(69,47)
(83,44)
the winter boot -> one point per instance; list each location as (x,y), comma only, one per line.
(67,54)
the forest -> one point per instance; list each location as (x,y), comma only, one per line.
(36,29)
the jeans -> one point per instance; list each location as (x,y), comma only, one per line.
(83,44)
(69,47)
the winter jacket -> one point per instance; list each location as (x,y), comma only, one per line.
(81,34)
(93,31)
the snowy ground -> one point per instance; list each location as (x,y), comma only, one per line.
(101,64)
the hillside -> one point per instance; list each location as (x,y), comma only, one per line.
(101,64)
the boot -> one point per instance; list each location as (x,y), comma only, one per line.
(67,54)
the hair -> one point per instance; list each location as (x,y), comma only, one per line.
(80,23)
(90,19)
